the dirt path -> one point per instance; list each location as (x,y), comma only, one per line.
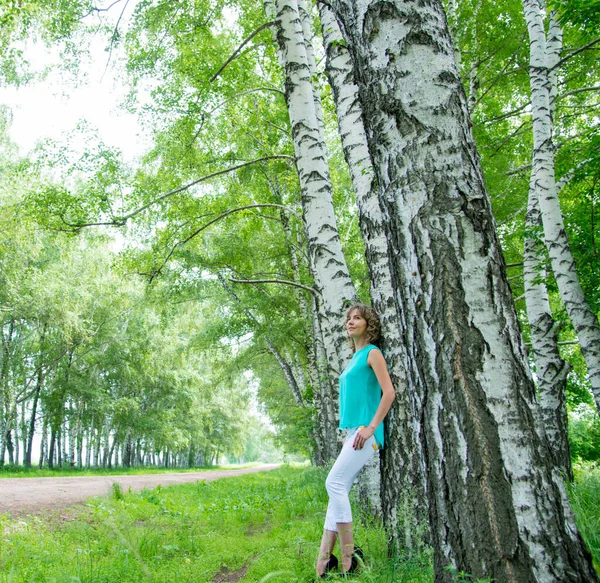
(28,495)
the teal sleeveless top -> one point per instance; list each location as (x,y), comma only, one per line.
(360,393)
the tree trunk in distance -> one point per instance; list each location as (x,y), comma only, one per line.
(10,448)
(44,444)
(582,317)
(496,507)
(32,419)
(403,472)
(51,448)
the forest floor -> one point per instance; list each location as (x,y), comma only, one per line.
(33,495)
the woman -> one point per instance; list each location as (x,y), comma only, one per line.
(366,395)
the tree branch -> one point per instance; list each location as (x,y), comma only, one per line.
(520,130)
(508,114)
(501,74)
(312,290)
(157,271)
(581,90)
(575,52)
(519,170)
(566,178)
(237,51)
(113,38)
(120,221)
(94,9)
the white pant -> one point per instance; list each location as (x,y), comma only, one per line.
(342,476)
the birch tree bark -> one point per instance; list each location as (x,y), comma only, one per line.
(496,507)
(402,466)
(332,279)
(326,397)
(551,369)
(582,317)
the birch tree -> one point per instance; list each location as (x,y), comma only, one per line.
(551,369)
(584,320)
(402,487)
(328,264)
(489,475)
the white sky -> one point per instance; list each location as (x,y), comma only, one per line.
(54,106)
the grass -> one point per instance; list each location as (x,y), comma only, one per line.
(258,527)
(22,472)
(585,499)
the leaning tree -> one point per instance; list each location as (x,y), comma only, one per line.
(489,473)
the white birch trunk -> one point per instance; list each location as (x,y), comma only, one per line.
(403,456)
(496,507)
(553,50)
(72,433)
(327,261)
(584,321)
(44,444)
(551,369)
(306,19)
(298,372)
(288,373)
(17,437)
(326,392)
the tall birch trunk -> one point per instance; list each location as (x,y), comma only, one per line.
(551,369)
(584,320)
(332,279)
(402,486)
(496,507)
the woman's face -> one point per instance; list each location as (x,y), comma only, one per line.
(356,325)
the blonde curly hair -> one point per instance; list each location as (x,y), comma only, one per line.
(373,324)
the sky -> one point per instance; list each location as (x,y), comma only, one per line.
(53,106)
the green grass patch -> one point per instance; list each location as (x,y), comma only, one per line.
(258,527)
(22,472)
(585,498)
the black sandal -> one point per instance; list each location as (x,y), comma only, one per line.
(355,564)
(331,564)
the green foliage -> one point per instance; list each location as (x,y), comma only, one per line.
(584,433)
(584,14)
(52,22)
(117,491)
(585,500)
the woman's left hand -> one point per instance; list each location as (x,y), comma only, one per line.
(362,436)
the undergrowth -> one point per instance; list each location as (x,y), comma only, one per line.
(257,527)
(585,500)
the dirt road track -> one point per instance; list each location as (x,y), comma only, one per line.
(29,495)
